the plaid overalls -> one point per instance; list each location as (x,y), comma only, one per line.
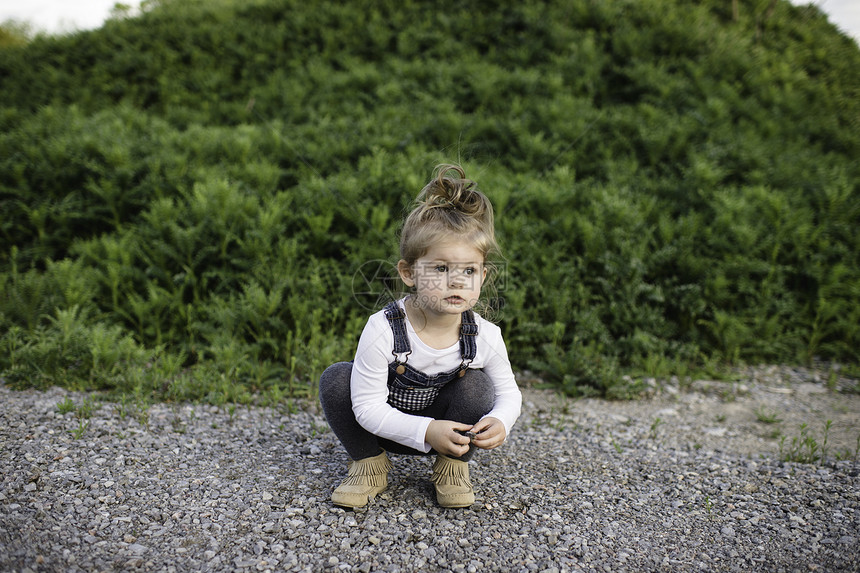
(410,390)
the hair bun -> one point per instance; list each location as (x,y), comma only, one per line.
(449,206)
(456,193)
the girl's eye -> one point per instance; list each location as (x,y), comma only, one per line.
(470,270)
(441,268)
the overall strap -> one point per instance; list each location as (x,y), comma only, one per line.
(397,320)
(468,336)
(468,333)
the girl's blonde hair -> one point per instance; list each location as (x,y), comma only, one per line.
(450,207)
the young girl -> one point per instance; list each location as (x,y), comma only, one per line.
(430,375)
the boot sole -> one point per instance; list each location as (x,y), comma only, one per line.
(455,505)
(370,498)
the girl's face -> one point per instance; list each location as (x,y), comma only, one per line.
(447,278)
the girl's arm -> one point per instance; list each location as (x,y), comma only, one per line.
(508,398)
(369,390)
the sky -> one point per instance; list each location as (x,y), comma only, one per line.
(69,15)
(58,15)
(845,14)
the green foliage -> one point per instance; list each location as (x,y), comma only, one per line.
(14,33)
(766,416)
(186,196)
(805,448)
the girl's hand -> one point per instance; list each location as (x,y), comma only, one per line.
(489,433)
(442,437)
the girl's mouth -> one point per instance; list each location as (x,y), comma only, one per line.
(455,299)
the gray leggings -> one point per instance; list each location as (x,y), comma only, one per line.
(464,400)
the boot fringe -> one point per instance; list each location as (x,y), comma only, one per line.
(369,470)
(448,471)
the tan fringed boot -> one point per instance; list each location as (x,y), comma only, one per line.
(365,479)
(451,478)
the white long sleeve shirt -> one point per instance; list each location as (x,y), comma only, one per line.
(369,382)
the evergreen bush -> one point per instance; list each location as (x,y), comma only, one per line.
(187,197)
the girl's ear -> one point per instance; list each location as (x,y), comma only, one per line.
(404,269)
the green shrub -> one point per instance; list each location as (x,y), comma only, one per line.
(202,184)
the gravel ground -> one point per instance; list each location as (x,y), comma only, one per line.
(685,479)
